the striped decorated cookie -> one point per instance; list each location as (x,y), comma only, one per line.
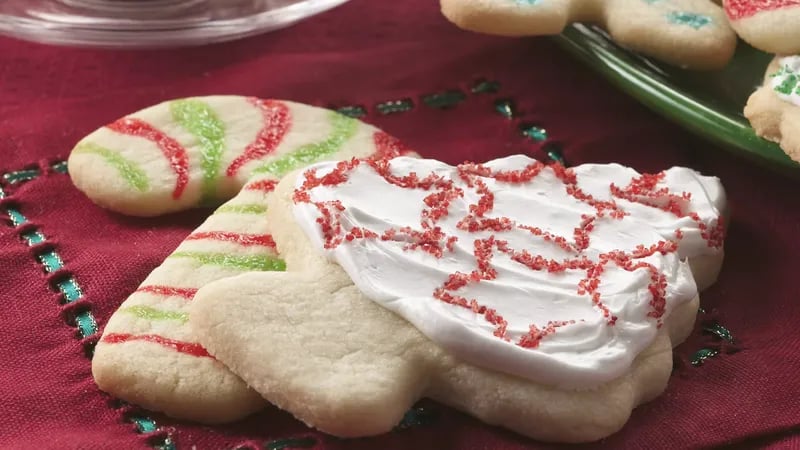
(769,25)
(686,33)
(178,155)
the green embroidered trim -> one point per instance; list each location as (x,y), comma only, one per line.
(68,287)
(33,238)
(60,167)
(249,208)
(354,111)
(485,87)
(147,425)
(285,444)
(533,132)
(150,313)
(128,170)
(437,100)
(202,122)
(51,261)
(505,107)
(703,354)
(247,262)
(16,217)
(720,333)
(443,100)
(395,106)
(343,129)
(553,151)
(20,176)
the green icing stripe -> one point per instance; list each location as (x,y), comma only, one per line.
(199,119)
(343,129)
(149,313)
(128,170)
(248,262)
(248,208)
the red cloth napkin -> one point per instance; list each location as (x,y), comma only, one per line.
(363,54)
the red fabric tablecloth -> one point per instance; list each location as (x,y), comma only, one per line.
(365,54)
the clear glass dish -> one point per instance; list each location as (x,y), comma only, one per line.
(150,23)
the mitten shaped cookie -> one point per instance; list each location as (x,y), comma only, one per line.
(542,299)
(179,155)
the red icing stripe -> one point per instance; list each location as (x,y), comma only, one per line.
(169,291)
(740,9)
(263,240)
(261,185)
(172,150)
(388,146)
(187,348)
(276,124)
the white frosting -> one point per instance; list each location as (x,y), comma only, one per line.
(789,67)
(588,352)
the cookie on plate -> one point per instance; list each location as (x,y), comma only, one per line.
(693,34)
(181,154)
(774,109)
(768,25)
(538,298)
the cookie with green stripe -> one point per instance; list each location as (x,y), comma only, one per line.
(200,151)
(187,153)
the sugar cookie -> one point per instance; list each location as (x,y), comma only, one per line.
(694,34)
(769,25)
(774,109)
(538,298)
(174,156)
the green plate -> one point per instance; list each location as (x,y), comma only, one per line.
(709,104)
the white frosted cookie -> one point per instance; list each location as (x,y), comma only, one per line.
(174,156)
(542,299)
(693,34)
(769,25)
(774,108)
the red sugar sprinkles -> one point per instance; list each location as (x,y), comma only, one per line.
(429,237)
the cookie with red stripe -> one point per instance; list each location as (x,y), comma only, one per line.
(178,155)
(201,151)
(769,25)
(693,34)
(534,297)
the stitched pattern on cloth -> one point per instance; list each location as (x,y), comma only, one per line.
(59,278)
(452,97)
(721,339)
